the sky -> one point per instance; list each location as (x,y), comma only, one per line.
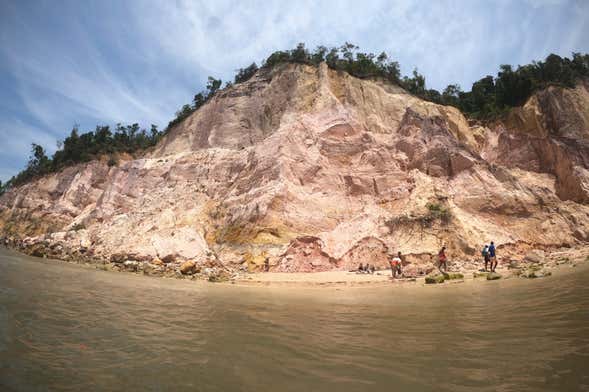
(66,63)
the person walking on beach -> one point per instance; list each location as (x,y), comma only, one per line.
(492,256)
(396,265)
(442,259)
(486,256)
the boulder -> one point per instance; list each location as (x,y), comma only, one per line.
(131,265)
(532,273)
(454,275)
(434,279)
(169,258)
(118,257)
(535,256)
(188,267)
(493,276)
(152,269)
(217,276)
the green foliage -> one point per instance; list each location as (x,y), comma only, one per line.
(77,148)
(345,58)
(244,74)
(437,212)
(490,97)
(213,85)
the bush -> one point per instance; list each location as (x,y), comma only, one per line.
(437,211)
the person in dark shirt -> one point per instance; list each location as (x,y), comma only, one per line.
(486,256)
(493,256)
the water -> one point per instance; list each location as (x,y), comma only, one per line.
(65,327)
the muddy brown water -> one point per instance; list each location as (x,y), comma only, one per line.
(66,327)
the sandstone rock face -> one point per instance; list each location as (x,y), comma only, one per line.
(315,170)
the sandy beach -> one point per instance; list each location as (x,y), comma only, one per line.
(550,263)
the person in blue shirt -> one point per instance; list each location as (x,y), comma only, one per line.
(492,256)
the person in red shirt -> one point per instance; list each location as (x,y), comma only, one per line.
(443,260)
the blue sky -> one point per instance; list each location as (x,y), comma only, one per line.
(102,62)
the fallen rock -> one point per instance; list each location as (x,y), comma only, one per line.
(535,256)
(152,269)
(131,265)
(217,276)
(454,275)
(434,279)
(493,276)
(188,267)
(118,258)
(533,273)
(479,274)
(170,258)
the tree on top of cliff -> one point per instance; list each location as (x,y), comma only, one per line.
(489,97)
(244,74)
(83,147)
(345,58)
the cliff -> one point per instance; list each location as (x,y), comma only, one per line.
(313,170)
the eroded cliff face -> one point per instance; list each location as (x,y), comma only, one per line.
(315,170)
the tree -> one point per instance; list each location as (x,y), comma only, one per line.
(155,135)
(332,58)
(451,94)
(212,86)
(318,55)
(300,54)
(38,161)
(198,100)
(416,84)
(277,58)
(347,51)
(244,74)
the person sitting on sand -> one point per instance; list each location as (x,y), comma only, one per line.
(492,256)
(443,259)
(486,256)
(371,269)
(360,268)
(396,265)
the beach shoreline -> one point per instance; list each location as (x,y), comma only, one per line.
(458,271)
